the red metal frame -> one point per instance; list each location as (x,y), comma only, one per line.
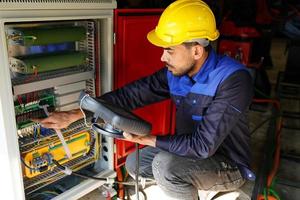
(135,57)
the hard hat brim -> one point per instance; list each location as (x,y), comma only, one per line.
(152,37)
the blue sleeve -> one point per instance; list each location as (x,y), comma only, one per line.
(150,89)
(232,100)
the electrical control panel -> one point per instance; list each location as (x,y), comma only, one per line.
(50,62)
(50,51)
(46,51)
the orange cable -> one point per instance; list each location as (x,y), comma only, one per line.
(121,192)
(276,162)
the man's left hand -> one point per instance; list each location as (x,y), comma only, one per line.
(148,140)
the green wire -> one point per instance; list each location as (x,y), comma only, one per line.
(29,37)
(265,194)
(274,193)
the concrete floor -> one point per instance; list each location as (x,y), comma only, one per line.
(288,170)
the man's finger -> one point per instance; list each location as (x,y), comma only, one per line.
(49,125)
(50,120)
(127,136)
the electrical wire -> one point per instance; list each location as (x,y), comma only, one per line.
(27,166)
(269,193)
(83,113)
(69,172)
(127,188)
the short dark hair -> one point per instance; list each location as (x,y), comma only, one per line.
(188,45)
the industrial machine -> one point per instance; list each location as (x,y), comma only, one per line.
(49,52)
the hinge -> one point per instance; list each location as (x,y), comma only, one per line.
(114,38)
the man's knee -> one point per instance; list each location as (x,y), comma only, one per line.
(169,176)
(163,167)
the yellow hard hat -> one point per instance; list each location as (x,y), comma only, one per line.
(184,20)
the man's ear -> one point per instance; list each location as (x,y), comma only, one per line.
(198,52)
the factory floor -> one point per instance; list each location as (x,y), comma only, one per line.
(289,169)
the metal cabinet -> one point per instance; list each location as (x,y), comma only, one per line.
(136,57)
(37,39)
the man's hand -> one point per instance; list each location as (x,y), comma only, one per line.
(59,120)
(148,140)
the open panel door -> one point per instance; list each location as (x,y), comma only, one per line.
(135,57)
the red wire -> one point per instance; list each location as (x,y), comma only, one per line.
(20,99)
(276,161)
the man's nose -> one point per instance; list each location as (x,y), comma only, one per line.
(163,57)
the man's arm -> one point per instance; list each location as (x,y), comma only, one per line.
(59,120)
(145,91)
(142,92)
(149,140)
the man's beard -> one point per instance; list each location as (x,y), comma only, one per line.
(180,73)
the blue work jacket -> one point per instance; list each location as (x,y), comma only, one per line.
(211,109)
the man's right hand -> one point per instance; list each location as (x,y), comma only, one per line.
(59,120)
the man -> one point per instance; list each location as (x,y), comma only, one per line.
(210,149)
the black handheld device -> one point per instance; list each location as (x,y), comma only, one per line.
(116,119)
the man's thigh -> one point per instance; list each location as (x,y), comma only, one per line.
(214,173)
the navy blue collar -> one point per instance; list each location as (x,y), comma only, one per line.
(208,66)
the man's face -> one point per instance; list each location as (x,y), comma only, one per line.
(178,59)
